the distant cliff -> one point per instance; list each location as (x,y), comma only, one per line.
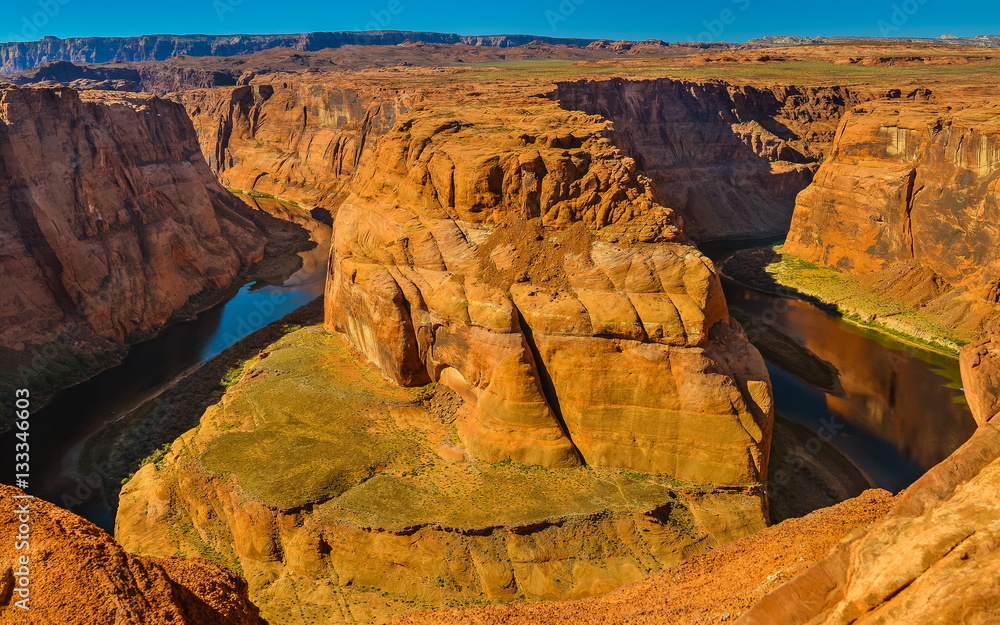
(111,221)
(730,159)
(19,56)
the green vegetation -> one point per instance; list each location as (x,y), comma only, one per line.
(309,424)
(855,300)
(118,451)
(261,194)
(156,458)
(234,374)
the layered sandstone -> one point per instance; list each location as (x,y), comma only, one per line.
(297,139)
(713,587)
(344,498)
(515,255)
(908,195)
(78,574)
(112,219)
(729,158)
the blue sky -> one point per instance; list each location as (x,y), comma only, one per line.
(728,20)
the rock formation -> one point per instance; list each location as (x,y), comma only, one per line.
(297,139)
(728,158)
(933,557)
(710,587)
(77,573)
(344,498)
(112,219)
(908,194)
(19,56)
(517,257)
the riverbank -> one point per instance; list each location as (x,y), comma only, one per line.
(911,306)
(806,473)
(123,447)
(79,355)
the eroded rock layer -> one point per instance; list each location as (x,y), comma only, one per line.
(111,218)
(516,256)
(711,587)
(728,158)
(76,573)
(297,139)
(909,193)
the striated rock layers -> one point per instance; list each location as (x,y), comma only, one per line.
(933,558)
(297,139)
(517,257)
(712,587)
(909,193)
(111,218)
(18,56)
(344,498)
(729,159)
(78,574)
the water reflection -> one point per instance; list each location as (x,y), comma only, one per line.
(901,408)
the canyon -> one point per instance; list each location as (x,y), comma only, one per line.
(112,221)
(527,384)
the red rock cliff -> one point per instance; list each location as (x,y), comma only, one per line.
(78,574)
(910,183)
(111,217)
(297,139)
(729,159)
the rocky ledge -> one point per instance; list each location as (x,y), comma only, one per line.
(75,568)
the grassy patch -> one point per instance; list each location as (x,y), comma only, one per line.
(309,424)
(848,294)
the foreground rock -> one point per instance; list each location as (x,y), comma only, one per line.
(933,557)
(112,221)
(713,587)
(344,498)
(78,574)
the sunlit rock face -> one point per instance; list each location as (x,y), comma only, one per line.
(111,217)
(516,256)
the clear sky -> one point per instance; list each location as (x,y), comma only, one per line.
(726,20)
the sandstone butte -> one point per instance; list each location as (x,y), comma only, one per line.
(77,573)
(431,281)
(112,220)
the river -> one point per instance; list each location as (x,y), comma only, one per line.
(61,429)
(896,409)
